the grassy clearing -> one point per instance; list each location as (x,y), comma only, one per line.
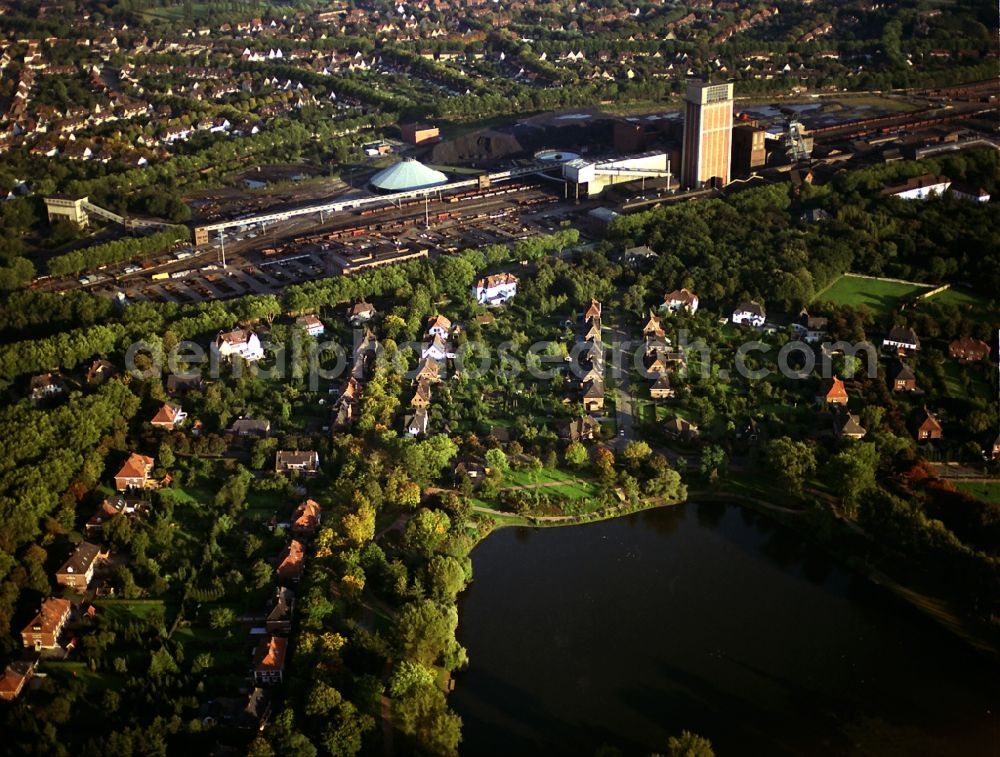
(880,297)
(66,671)
(543,476)
(983,490)
(125,610)
(960,298)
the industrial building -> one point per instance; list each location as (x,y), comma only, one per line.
(708,127)
(407,175)
(749,148)
(419,134)
(586,178)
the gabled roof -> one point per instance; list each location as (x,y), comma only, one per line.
(307,515)
(49,616)
(438,321)
(137,466)
(902,335)
(592,311)
(235,337)
(683,296)
(270,654)
(166,415)
(80,561)
(754,308)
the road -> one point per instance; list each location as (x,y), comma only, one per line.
(621,361)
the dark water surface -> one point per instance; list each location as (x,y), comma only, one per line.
(709,618)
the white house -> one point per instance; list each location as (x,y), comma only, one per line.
(919,188)
(242,342)
(750,313)
(416,424)
(969,192)
(436,349)
(496,289)
(680,299)
(438,325)
(312,325)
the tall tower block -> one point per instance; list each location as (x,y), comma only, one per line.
(708,134)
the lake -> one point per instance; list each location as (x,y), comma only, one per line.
(710,618)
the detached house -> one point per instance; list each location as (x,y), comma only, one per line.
(593,396)
(661,388)
(269,661)
(750,313)
(438,325)
(849,426)
(279,619)
(581,429)
(415,424)
(496,289)
(15,676)
(361,312)
(168,416)
(248,427)
(593,312)
(287,461)
(926,426)
(901,339)
(902,378)
(292,563)
(313,326)
(832,392)
(46,386)
(969,350)
(679,428)
(306,519)
(134,474)
(78,570)
(44,629)
(680,299)
(241,342)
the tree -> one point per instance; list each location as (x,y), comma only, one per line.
(792,462)
(221,618)
(852,473)
(604,463)
(576,455)
(636,451)
(359,526)
(445,577)
(424,629)
(689,745)
(409,676)
(426,531)
(343,737)
(713,461)
(424,715)
(496,460)
(322,699)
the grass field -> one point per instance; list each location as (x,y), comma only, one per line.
(987,492)
(878,296)
(125,610)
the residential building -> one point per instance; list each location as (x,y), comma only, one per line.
(969,192)
(436,349)
(313,326)
(269,661)
(680,299)
(919,188)
(421,395)
(706,154)
(832,392)
(279,618)
(306,519)
(15,676)
(496,289)
(44,629)
(580,429)
(593,312)
(750,313)
(680,429)
(292,563)
(969,350)
(289,461)
(78,570)
(415,424)
(428,370)
(46,386)
(653,326)
(926,426)
(902,378)
(240,342)
(593,396)
(168,416)
(361,312)
(134,474)
(848,426)
(661,388)
(438,325)
(901,339)
(248,427)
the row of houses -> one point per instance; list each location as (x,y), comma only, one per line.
(435,352)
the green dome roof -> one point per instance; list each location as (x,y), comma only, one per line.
(409,174)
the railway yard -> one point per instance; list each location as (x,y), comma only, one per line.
(302,248)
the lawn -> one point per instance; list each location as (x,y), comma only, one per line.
(124,610)
(963,298)
(878,296)
(542,476)
(984,490)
